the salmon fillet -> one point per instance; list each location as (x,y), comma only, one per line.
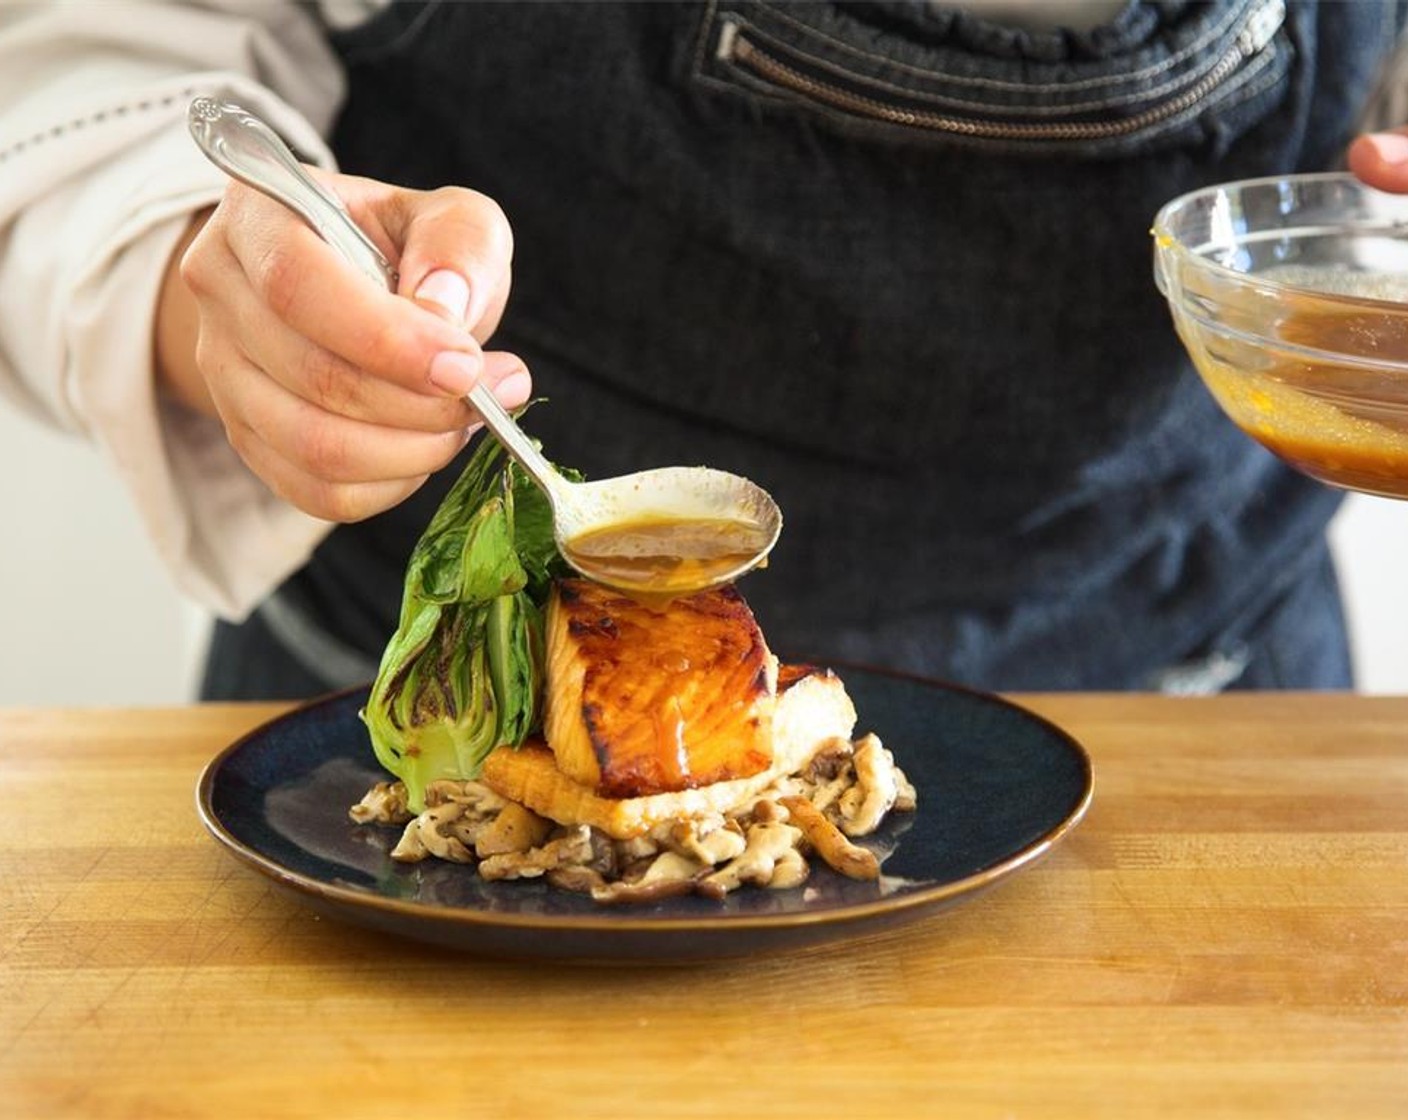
(812,708)
(644,700)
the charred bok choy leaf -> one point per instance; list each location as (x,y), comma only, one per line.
(464,671)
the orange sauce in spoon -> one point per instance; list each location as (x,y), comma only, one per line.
(665,556)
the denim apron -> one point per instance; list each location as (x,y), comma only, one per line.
(891,262)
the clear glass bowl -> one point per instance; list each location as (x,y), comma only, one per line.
(1291,296)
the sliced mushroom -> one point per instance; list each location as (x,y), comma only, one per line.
(475,796)
(574,847)
(849,859)
(513,829)
(767,843)
(432,833)
(831,792)
(791,870)
(829,761)
(384,803)
(864,805)
(637,848)
(718,844)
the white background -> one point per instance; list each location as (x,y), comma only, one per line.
(88,618)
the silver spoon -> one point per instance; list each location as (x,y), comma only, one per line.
(617,531)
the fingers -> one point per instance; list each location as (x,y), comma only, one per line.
(1381,160)
(323,378)
(341,396)
(314,292)
(340,502)
(332,447)
(509,378)
(328,465)
(457,249)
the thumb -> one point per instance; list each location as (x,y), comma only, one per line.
(1381,159)
(456,256)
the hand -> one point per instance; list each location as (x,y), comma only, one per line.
(340,396)
(1381,160)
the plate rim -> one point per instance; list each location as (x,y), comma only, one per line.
(619,919)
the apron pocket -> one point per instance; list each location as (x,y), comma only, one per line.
(1219,74)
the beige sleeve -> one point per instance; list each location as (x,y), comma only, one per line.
(98,178)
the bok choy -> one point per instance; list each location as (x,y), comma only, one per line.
(463,672)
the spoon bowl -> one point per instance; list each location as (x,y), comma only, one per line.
(662,532)
(667,531)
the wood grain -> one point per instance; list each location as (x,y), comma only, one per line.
(1225,935)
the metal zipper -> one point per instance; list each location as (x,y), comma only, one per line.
(1255,35)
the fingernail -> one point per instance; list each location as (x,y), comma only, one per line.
(1391,147)
(454,371)
(448,290)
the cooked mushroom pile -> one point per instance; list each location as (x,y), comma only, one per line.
(843,793)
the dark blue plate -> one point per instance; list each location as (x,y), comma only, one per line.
(998,786)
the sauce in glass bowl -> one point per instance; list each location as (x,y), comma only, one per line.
(1298,373)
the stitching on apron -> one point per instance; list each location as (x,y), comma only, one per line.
(979,106)
(995,83)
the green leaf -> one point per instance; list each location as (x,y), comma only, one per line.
(463,673)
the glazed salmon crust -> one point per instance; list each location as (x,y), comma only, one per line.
(653,699)
(813,711)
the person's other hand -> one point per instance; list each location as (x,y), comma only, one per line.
(342,397)
(1381,159)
